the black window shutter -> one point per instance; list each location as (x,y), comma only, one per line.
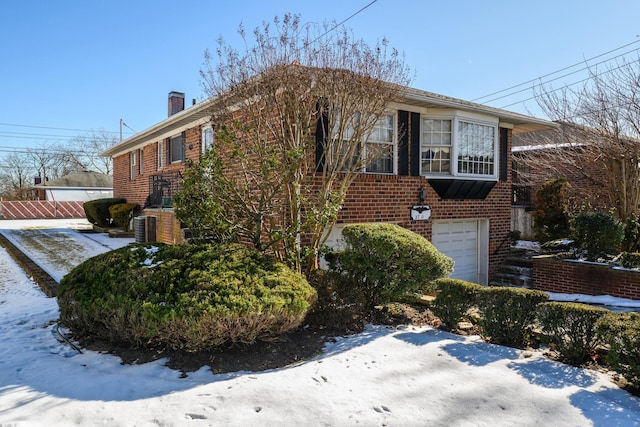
(414,138)
(322,135)
(403,143)
(504,153)
(183,146)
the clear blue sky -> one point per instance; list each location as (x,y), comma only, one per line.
(84,65)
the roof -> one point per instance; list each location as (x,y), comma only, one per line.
(416,97)
(85,179)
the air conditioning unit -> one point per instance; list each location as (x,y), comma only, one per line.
(140,229)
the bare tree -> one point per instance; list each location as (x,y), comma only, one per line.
(291,83)
(17,177)
(51,162)
(87,148)
(599,137)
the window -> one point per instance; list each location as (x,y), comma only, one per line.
(176,146)
(436,146)
(376,155)
(160,154)
(379,149)
(132,164)
(476,148)
(207,138)
(458,147)
(141,160)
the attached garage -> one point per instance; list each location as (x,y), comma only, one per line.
(467,243)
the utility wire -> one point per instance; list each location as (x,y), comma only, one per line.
(557,71)
(559,77)
(56,128)
(575,83)
(343,21)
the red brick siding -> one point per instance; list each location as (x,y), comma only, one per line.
(167,228)
(136,190)
(388,198)
(554,275)
(372,198)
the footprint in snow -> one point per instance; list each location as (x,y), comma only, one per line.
(381,409)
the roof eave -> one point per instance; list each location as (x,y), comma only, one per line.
(521,122)
(176,121)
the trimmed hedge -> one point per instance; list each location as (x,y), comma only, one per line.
(183,296)
(507,314)
(97,211)
(597,234)
(386,261)
(122,214)
(621,331)
(454,298)
(571,328)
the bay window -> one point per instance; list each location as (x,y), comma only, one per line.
(458,147)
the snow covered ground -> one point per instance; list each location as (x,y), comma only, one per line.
(382,377)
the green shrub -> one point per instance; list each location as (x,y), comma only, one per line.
(550,219)
(507,314)
(339,305)
(622,332)
(453,299)
(122,214)
(630,260)
(183,296)
(571,328)
(631,241)
(97,211)
(386,261)
(597,233)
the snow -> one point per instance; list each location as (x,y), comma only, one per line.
(405,376)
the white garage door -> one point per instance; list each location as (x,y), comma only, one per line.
(462,240)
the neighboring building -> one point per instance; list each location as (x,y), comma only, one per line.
(76,187)
(453,154)
(560,153)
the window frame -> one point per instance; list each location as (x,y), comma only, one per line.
(207,145)
(172,151)
(132,164)
(160,154)
(456,147)
(393,143)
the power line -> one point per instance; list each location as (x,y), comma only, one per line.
(343,21)
(575,83)
(57,128)
(559,77)
(559,71)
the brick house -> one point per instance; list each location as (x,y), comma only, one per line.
(542,156)
(453,156)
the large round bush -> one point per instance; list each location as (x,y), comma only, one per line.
(183,296)
(386,261)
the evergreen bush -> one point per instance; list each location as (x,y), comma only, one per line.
(571,328)
(385,262)
(621,331)
(630,260)
(183,296)
(507,314)
(550,219)
(454,298)
(597,234)
(122,213)
(97,211)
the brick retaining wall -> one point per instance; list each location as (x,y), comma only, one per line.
(570,277)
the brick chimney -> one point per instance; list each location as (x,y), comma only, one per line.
(176,102)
